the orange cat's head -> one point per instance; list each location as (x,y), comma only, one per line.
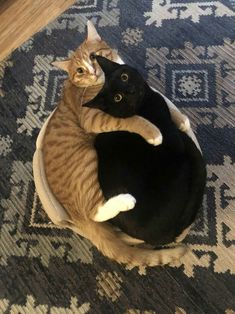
(82,67)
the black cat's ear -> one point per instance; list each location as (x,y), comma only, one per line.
(106,65)
(97,102)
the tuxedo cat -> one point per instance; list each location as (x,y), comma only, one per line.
(167,180)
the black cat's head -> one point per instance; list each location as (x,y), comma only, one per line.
(123,90)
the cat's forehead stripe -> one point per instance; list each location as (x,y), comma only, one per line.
(88,66)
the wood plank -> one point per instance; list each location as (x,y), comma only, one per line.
(20,19)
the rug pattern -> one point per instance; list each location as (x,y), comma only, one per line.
(186,50)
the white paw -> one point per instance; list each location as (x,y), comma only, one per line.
(156,141)
(185,125)
(114,206)
(125,202)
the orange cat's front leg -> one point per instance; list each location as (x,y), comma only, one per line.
(96,121)
(181,121)
(144,128)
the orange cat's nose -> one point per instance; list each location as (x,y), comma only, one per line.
(94,77)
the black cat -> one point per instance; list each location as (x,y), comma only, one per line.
(167,181)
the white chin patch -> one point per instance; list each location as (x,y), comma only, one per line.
(101,78)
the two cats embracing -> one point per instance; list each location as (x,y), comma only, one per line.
(114,162)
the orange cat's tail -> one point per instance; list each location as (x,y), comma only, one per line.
(107,240)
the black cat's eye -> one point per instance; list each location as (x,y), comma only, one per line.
(117,97)
(80,70)
(92,56)
(124,77)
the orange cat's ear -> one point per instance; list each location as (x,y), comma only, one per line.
(63,65)
(92,34)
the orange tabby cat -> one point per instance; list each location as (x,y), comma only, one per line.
(70,159)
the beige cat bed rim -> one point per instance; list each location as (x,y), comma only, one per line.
(52,207)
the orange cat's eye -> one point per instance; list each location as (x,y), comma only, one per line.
(124,77)
(80,70)
(117,97)
(92,56)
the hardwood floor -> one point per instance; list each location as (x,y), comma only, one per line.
(20,19)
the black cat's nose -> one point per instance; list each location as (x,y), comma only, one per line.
(131,90)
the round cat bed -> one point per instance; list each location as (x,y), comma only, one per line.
(52,207)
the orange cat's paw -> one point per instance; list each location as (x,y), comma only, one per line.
(151,134)
(156,141)
(184,124)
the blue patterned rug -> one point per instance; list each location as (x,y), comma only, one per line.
(186,50)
